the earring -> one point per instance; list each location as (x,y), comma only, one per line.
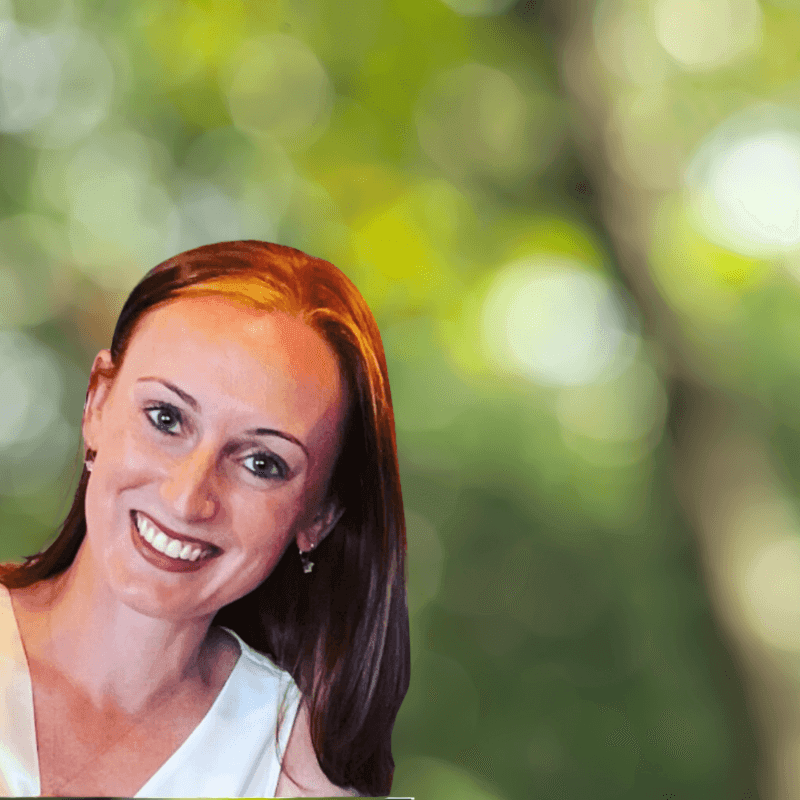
(89,461)
(305,559)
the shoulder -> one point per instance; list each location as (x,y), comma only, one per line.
(301,775)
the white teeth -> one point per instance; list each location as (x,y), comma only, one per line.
(148,531)
(164,544)
(173,548)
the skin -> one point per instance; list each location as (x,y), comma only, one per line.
(245,369)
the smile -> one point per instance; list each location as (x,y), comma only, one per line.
(176,549)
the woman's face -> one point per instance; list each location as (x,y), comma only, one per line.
(219,433)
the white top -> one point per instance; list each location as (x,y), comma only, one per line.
(231,753)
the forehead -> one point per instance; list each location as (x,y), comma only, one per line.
(212,345)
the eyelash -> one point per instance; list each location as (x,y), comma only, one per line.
(283,470)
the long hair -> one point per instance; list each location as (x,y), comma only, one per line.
(342,631)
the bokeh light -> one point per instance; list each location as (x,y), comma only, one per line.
(478,124)
(556,323)
(705,34)
(626,42)
(745,182)
(35,440)
(278,86)
(772,583)
(629,408)
(84,90)
(31,390)
(121,217)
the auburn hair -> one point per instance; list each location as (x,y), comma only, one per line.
(342,631)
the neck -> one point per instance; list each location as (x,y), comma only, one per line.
(117,657)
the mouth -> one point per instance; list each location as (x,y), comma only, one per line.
(169,550)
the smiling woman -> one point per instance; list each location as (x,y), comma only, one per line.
(176,638)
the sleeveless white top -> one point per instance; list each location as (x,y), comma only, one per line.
(231,753)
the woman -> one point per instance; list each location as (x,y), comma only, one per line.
(179,638)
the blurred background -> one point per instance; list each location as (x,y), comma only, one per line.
(578,225)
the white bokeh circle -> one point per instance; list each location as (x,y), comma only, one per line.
(553,321)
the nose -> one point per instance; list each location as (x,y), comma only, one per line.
(189,486)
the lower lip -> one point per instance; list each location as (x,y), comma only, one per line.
(150,554)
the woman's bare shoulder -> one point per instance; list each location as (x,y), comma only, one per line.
(302,775)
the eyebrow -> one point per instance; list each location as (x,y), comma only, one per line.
(192,403)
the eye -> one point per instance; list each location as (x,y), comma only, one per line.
(165,418)
(266,466)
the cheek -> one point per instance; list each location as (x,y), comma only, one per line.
(135,449)
(262,541)
(266,524)
(124,461)
(121,436)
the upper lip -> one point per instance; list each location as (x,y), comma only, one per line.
(174,534)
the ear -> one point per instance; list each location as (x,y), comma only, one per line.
(324,522)
(96,395)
